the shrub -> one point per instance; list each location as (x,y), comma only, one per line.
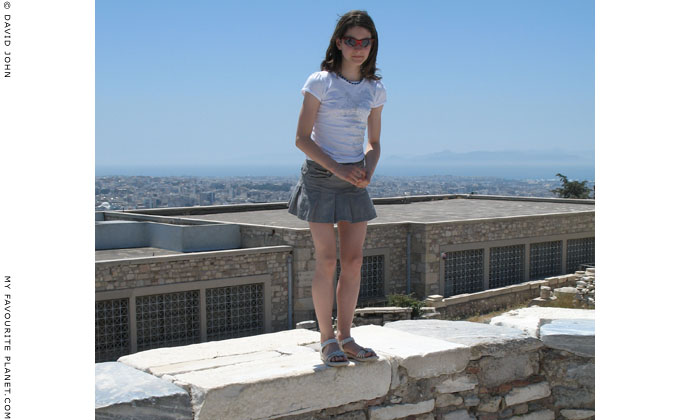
(406,301)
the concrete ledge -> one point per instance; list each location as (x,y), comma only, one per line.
(536,284)
(113,215)
(198,255)
(560,280)
(382,310)
(230,208)
(538,199)
(479,220)
(189,211)
(485,294)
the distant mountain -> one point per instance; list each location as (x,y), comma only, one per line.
(510,164)
(514,164)
(513,157)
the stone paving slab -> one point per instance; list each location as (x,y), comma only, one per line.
(531,319)
(123,392)
(221,351)
(197,365)
(573,335)
(422,358)
(483,339)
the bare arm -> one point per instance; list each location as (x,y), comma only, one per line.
(373,151)
(303,141)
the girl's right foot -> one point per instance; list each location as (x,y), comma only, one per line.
(332,355)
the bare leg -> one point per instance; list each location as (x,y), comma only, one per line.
(351,242)
(323,236)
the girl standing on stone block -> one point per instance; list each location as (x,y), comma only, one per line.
(341,102)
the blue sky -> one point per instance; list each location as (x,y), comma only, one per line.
(218,82)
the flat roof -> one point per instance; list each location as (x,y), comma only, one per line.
(456,209)
(127,253)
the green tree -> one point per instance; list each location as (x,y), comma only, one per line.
(572,189)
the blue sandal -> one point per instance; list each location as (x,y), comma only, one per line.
(328,359)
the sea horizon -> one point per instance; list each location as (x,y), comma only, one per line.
(515,171)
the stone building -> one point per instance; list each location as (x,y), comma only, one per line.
(178,276)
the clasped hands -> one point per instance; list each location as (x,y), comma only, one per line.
(359,177)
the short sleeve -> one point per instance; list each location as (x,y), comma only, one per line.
(379,95)
(316,85)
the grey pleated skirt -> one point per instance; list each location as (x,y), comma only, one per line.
(322,197)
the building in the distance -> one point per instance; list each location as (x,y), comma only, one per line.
(167,277)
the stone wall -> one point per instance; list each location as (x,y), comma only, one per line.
(427,241)
(430,239)
(391,237)
(579,297)
(171,269)
(427,370)
(303,266)
(157,275)
(394,237)
(470,304)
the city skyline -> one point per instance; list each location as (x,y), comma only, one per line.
(137,192)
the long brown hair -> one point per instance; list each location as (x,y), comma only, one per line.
(334,56)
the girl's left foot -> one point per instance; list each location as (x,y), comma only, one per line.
(356,352)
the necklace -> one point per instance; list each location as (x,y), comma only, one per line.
(349,81)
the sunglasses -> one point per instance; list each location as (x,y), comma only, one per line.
(352,42)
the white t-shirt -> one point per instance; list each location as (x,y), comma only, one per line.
(342,117)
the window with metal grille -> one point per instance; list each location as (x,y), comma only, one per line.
(112,329)
(579,251)
(167,320)
(506,265)
(234,311)
(545,259)
(372,284)
(464,272)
